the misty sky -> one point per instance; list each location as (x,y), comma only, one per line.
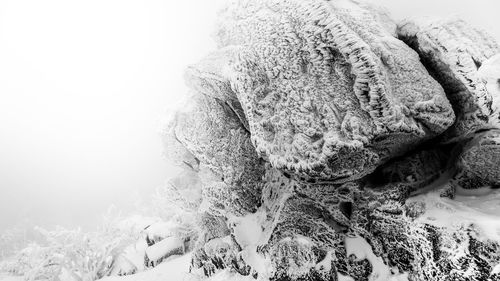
(85,84)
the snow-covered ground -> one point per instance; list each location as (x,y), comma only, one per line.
(174,269)
(482,210)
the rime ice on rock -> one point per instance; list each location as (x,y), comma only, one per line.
(230,170)
(328,92)
(314,125)
(478,164)
(454,53)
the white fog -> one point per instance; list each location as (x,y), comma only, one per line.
(84,86)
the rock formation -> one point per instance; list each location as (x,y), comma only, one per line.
(454,53)
(319,128)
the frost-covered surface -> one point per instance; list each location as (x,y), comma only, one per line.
(454,53)
(174,269)
(319,127)
(165,247)
(121,246)
(324,141)
(327,91)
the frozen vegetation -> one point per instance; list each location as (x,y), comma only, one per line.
(321,141)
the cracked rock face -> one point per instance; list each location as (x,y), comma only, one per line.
(328,142)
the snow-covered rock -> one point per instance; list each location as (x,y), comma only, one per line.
(454,52)
(167,247)
(317,137)
(327,91)
(174,269)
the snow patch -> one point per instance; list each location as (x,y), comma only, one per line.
(496,269)
(344,278)
(175,269)
(248,229)
(135,254)
(481,211)
(164,248)
(326,263)
(249,233)
(358,247)
(489,72)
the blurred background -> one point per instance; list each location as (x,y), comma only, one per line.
(85,85)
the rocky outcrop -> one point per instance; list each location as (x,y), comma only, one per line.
(454,53)
(317,135)
(327,91)
(230,168)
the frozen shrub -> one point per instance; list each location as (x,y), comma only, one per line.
(64,254)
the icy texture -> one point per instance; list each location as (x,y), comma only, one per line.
(316,137)
(479,163)
(454,53)
(327,91)
(230,171)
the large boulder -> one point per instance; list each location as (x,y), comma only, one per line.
(317,136)
(327,90)
(454,52)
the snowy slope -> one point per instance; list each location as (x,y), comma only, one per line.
(175,269)
(482,211)
(444,212)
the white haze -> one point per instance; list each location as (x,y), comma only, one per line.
(84,85)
